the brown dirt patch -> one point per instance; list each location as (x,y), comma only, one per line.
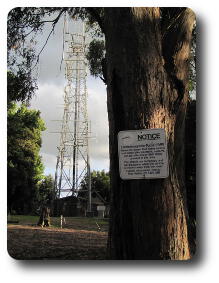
(31,242)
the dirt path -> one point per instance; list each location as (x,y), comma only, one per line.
(31,242)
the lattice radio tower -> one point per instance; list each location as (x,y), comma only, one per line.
(73,160)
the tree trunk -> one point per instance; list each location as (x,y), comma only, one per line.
(147,87)
(44,220)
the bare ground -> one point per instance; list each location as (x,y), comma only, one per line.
(31,242)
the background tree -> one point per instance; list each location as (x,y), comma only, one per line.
(96,58)
(100,184)
(23,25)
(25,166)
(44,191)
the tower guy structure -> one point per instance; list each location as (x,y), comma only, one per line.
(73,159)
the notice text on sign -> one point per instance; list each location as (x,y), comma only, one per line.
(143,154)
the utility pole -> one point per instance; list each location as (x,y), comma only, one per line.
(73,159)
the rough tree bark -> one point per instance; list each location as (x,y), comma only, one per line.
(147,57)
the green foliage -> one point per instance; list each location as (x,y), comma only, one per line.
(23,25)
(21,55)
(44,192)
(95,56)
(100,184)
(94,21)
(25,166)
(20,86)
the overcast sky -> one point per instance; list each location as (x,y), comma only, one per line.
(49,100)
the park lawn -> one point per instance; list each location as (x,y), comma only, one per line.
(80,238)
(23,219)
(28,242)
(78,223)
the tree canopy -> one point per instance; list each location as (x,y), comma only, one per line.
(45,189)
(100,185)
(25,166)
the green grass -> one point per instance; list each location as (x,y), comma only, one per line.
(24,219)
(80,223)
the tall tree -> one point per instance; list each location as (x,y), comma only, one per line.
(25,167)
(147,53)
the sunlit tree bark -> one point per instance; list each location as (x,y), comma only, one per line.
(147,55)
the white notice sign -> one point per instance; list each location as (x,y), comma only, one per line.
(143,154)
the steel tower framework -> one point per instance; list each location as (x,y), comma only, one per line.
(73,160)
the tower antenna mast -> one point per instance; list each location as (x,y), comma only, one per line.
(73,159)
